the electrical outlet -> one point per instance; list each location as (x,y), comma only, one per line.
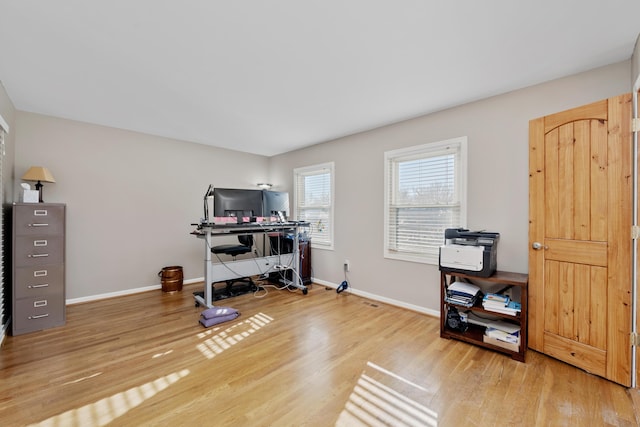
(347,265)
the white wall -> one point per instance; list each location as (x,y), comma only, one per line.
(497,131)
(130,198)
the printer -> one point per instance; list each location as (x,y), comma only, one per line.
(469,252)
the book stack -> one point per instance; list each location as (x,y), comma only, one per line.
(464,294)
(509,339)
(501,304)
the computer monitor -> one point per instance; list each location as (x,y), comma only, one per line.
(275,201)
(237,202)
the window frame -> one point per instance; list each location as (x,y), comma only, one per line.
(432,149)
(318,169)
(5,317)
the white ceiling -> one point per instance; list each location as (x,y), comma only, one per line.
(267,77)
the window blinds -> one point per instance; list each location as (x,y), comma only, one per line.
(3,313)
(424,196)
(314,201)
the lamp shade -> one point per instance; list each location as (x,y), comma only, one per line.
(38,173)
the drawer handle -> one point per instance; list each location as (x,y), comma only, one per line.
(40,316)
(40,243)
(41,303)
(37,255)
(39,273)
(44,285)
(38,224)
(40,212)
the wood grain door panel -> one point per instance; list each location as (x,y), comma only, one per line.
(580,211)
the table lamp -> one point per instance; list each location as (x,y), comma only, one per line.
(40,174)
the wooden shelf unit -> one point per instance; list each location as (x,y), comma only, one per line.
(474,334)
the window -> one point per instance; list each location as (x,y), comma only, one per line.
(425,193)
(313,202)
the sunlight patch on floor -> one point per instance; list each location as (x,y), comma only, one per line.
(88,377)
(381,402)
(225,338)
(106,410)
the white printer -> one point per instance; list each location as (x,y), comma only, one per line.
(469,252)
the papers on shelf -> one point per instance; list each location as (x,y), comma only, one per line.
(501,304)
(501,325)
(464,288)
(464,294)
(500,338)
(498,334)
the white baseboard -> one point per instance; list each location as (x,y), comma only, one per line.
(354,291)
(125,292)
(379,298)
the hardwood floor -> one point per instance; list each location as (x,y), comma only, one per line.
(321,359)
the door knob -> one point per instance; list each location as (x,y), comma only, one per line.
(537,246)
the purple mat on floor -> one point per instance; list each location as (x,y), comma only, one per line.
(212,312)
(218,319)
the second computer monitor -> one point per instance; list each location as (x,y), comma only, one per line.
(275,201)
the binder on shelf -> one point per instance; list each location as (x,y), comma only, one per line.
(498,334)
(494,341)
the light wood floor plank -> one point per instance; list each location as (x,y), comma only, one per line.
(322,359)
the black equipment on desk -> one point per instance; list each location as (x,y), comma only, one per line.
(469,252)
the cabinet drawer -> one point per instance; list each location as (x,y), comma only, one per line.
(38,250)
(38,280)
(38,219)
(34,314)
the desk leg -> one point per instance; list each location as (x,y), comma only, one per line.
(206,301)
(207,270)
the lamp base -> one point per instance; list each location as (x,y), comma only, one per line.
(39,189)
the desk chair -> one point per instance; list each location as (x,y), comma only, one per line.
(244,246)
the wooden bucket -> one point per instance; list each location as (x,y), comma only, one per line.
(171,278)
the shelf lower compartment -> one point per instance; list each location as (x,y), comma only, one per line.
(474,335)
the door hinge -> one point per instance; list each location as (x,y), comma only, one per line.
(635,232)
(635,124)
(635,339)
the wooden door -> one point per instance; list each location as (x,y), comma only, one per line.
(580,218)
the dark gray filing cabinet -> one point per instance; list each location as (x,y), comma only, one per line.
(38,256)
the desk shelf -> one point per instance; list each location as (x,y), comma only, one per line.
(475,333)
(220,272)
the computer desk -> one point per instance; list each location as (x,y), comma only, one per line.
(215,272)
